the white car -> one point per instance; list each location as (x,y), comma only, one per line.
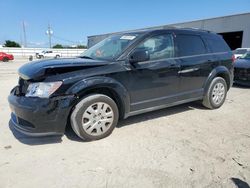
(47,54)
(240,51)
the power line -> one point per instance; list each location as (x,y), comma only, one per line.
(66,40)
(50,34)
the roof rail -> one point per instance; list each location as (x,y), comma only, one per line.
(195,28)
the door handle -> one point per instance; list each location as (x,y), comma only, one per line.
(188,70)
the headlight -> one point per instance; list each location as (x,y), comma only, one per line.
(42,89)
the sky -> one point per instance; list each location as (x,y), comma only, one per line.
(73,20)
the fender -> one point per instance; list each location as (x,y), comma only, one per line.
(220,70)
(82,86)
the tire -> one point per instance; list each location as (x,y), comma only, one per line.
(57,56)
(90,124)
(5,59)
(216,94)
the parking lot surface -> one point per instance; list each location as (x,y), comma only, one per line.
(182,146)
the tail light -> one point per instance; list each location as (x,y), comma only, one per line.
(233,58)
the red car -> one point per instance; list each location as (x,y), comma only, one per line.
(6,57)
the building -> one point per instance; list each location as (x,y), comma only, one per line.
(235,29)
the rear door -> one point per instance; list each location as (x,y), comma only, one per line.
(194,62)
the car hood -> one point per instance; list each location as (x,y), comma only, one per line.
(242,63)
(39,69)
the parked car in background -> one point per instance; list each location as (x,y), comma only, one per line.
(47,54)
(123,75)
(6,57)
(240,51)
(242,70)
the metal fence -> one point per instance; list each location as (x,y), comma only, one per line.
(26,52)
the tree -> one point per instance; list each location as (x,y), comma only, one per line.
(10,43)
(58,46)
(81,46)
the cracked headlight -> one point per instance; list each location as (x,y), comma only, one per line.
(42,89)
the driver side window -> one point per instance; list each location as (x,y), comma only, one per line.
(159,47)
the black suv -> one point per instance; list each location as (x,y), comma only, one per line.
(123,75)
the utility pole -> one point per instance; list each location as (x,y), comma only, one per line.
(49,32)
(24,35)
(21,40)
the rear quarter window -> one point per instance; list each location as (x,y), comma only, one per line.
(217,44)
(188,45)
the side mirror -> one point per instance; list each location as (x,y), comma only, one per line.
(139,56)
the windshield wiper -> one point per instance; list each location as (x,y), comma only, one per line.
(86,57)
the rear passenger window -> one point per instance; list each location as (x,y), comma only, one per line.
(217,44)
(190,45)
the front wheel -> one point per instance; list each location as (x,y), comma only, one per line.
(5,59)
(94,117)
(216,93)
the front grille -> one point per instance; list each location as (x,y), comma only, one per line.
(242,74)
(23,86)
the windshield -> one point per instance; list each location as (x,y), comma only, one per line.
(240,51)
(110,48)
(246,56)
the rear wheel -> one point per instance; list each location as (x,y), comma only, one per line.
(216,93)
(94,117)
(5,59)
(57,56)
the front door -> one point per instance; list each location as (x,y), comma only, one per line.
(154,82)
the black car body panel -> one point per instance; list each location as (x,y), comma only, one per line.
(242,63)
(137,87)
(242,72)
(36,116)
(38,69)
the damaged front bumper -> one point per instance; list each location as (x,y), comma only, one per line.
(35,116)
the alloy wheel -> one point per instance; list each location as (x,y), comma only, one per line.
(218,93)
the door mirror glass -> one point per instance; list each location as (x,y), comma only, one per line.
(139,56)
